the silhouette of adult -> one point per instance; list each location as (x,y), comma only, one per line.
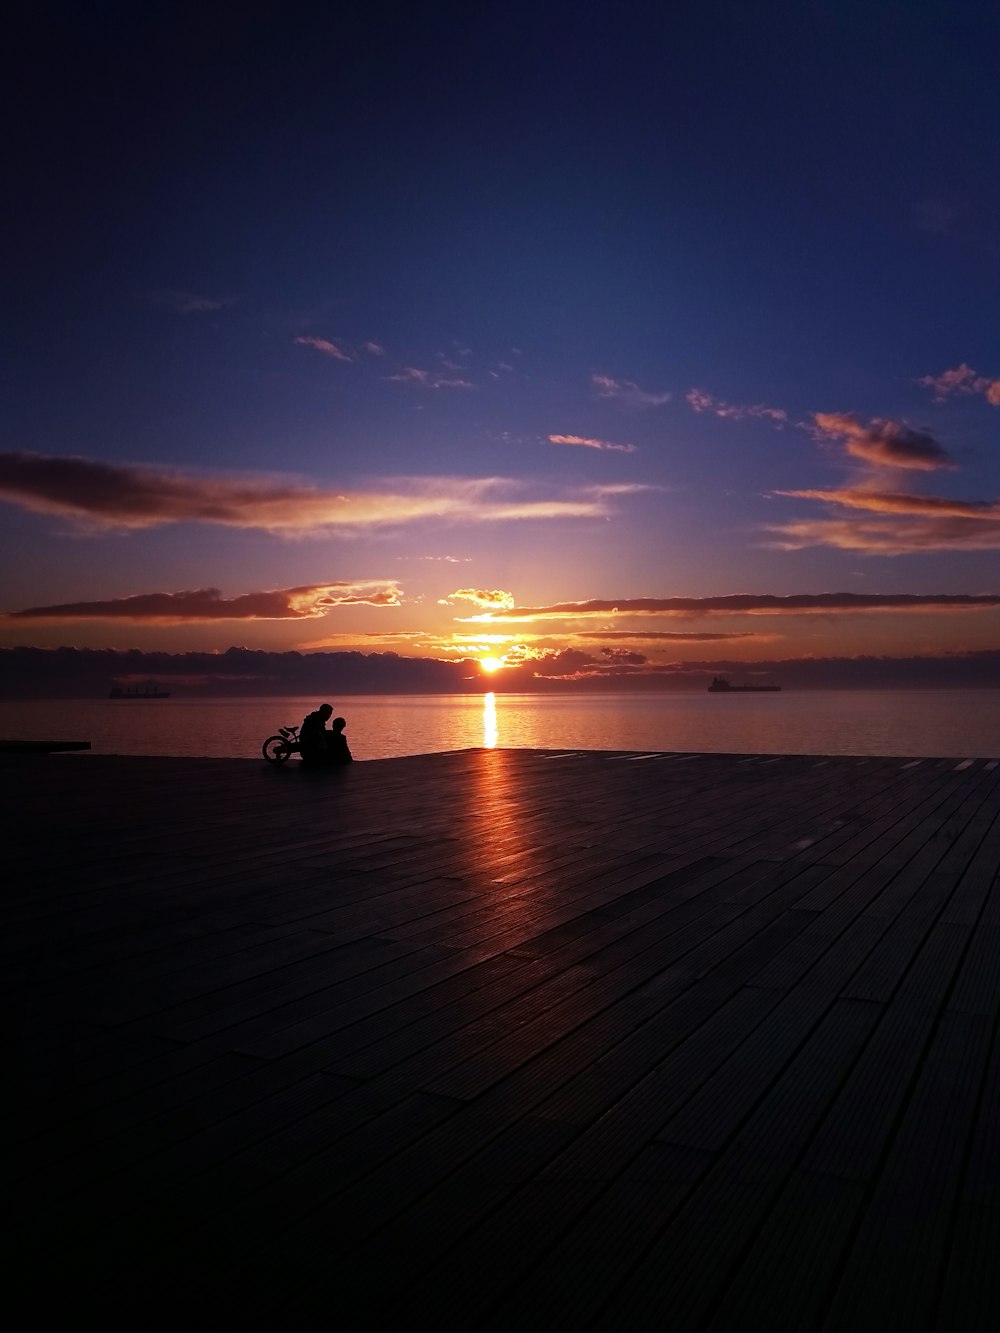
(314,737)
(319,746)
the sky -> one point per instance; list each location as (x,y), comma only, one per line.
(580,343)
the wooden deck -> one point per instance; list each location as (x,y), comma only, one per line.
(41,747)
(504,1039)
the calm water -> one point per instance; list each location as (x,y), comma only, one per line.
(963,723)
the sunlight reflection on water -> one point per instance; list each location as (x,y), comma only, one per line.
(920,722)
(489,721)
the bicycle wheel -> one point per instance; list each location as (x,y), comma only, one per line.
(275,750)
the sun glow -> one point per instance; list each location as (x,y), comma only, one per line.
(490,664)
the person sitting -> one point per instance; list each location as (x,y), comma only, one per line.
(339,750)
(314,739)
(319,746)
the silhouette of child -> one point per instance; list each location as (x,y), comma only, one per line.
(339,750)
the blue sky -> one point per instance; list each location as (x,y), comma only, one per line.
(374,321)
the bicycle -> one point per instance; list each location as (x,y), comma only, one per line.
(278,749)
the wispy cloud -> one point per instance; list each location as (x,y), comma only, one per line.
(962,380)
(310,602)
(482,638)
(621,656)
(884,442)
(484,597)
(625,488)
(745,604)
(626,392)
(325,346)
(900,523)
(897,502)
(362,641)
(102,496)
(668,636)
(586,443)
(189,303)
(704,402)
(429,379)
(889,536)
(373,348)
(441,559)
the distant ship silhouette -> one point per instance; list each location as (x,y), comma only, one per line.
(720,685)
(150,691)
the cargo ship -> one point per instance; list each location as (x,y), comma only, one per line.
(150,691)
(720,685)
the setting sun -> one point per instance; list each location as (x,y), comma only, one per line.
(490,664)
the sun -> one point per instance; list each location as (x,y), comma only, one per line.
(490,664)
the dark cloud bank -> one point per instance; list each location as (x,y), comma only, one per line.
(87,673)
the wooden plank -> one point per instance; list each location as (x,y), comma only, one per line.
(655,1041)
(895,1266)
(903,1227)
(682,1274)
(971,1296)
(784,1281)
(571,1279)
(864,1116)
(635,1077)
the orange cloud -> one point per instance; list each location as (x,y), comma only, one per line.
(671,636)
(894,502)
(486,638)
(626,392)
(484,597)
(746,604)
(306,603)
(326,347)
(704,402)
(890,536)
(907,524)
(120,495)
(624,657)
(962,380)
(592,444)
(360,641)
(887,443)
(474,647)
(547,661)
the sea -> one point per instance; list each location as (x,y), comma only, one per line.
(912,723)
